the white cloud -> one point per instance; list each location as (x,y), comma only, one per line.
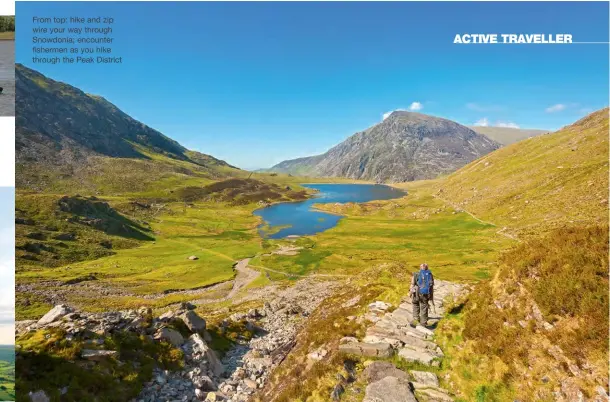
(556,108)
(482,122)
(507,124)
(416,106)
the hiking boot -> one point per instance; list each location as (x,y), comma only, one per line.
(414,323)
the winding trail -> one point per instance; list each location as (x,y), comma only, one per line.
(246,275)
(458,208)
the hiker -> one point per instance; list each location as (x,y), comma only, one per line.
(422,292)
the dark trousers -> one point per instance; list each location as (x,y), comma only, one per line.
(420,308)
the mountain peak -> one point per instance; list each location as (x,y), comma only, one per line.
(405,146)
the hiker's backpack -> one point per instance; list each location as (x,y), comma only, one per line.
(424,281)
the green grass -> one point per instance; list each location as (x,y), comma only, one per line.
(565,274)
(39,233)
(305,262)
(216,234)
(407,231)
(47,361)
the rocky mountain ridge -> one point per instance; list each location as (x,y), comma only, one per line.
(63,133)
(406,146)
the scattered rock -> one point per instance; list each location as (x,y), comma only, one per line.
(98,355)
(193,321)
(348,339)
(351,302)
(39,396)
(318,354)
(202,348)
(65,236)
(337,391)
(54,314)
(170,335)
(193,258)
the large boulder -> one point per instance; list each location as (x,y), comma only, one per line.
(201,347)
(389,389)
(55,314)
(170,335)
(193,321)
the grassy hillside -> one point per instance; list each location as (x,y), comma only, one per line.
(539,183)
(67,140)
(547,305)
(548,312)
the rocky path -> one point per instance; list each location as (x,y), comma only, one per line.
(248,366)
(243,278)
(245,368)
(391,334)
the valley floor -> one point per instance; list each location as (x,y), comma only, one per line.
(210,254)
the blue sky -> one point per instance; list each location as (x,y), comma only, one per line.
(257,83)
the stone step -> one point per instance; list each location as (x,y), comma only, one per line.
(396,332)
(399,340)
(367,349)
(424,378)
(417,356)
(389,389)
(430,394)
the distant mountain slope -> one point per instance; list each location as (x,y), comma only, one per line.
(65,135)
(548,180)
(406,146)
(507,135)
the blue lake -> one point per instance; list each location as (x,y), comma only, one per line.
(300,219)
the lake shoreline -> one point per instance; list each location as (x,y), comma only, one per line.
(303,218)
